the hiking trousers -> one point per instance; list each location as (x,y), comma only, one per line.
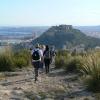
(47,65)
(36,68)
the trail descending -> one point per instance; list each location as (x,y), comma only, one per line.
(57,85)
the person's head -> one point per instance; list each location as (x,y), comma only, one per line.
(37,45)
(30,49)
(53,47)
(43,47)
(47,47)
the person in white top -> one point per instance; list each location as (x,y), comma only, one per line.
(37,56)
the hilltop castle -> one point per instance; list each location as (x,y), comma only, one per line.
(61,28)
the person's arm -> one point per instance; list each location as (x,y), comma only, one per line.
(31,56)
(44,53)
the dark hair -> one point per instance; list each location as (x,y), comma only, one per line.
(47,47)
(30,48)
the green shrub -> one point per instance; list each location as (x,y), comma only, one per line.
(10,60)
(61,59)
(67,61)
(73,64)
(20,62)
(92,84)
(63,53)
(88,64)
(91,69)
(6,63)
(22,58)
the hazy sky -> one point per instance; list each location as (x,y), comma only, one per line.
(49,12)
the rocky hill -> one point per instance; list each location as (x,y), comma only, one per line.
(66,35)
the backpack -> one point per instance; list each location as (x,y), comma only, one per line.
(53,53)
(36,55)
(47,55)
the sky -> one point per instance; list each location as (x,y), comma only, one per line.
(49,12)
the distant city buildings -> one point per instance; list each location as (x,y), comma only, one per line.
(6,41)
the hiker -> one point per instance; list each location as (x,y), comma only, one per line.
(42,49)
(47,59)
(37,56)
(53,53)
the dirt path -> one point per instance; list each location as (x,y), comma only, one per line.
(55,86)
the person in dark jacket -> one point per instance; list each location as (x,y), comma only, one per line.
(47,59)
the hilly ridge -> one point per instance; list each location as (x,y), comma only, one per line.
(64,35)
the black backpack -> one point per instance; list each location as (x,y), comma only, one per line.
(36,55)
(47,55)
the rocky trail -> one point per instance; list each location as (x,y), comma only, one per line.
(57,85)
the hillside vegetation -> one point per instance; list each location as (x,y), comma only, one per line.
(66,35)
(87,64)
(10,60)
